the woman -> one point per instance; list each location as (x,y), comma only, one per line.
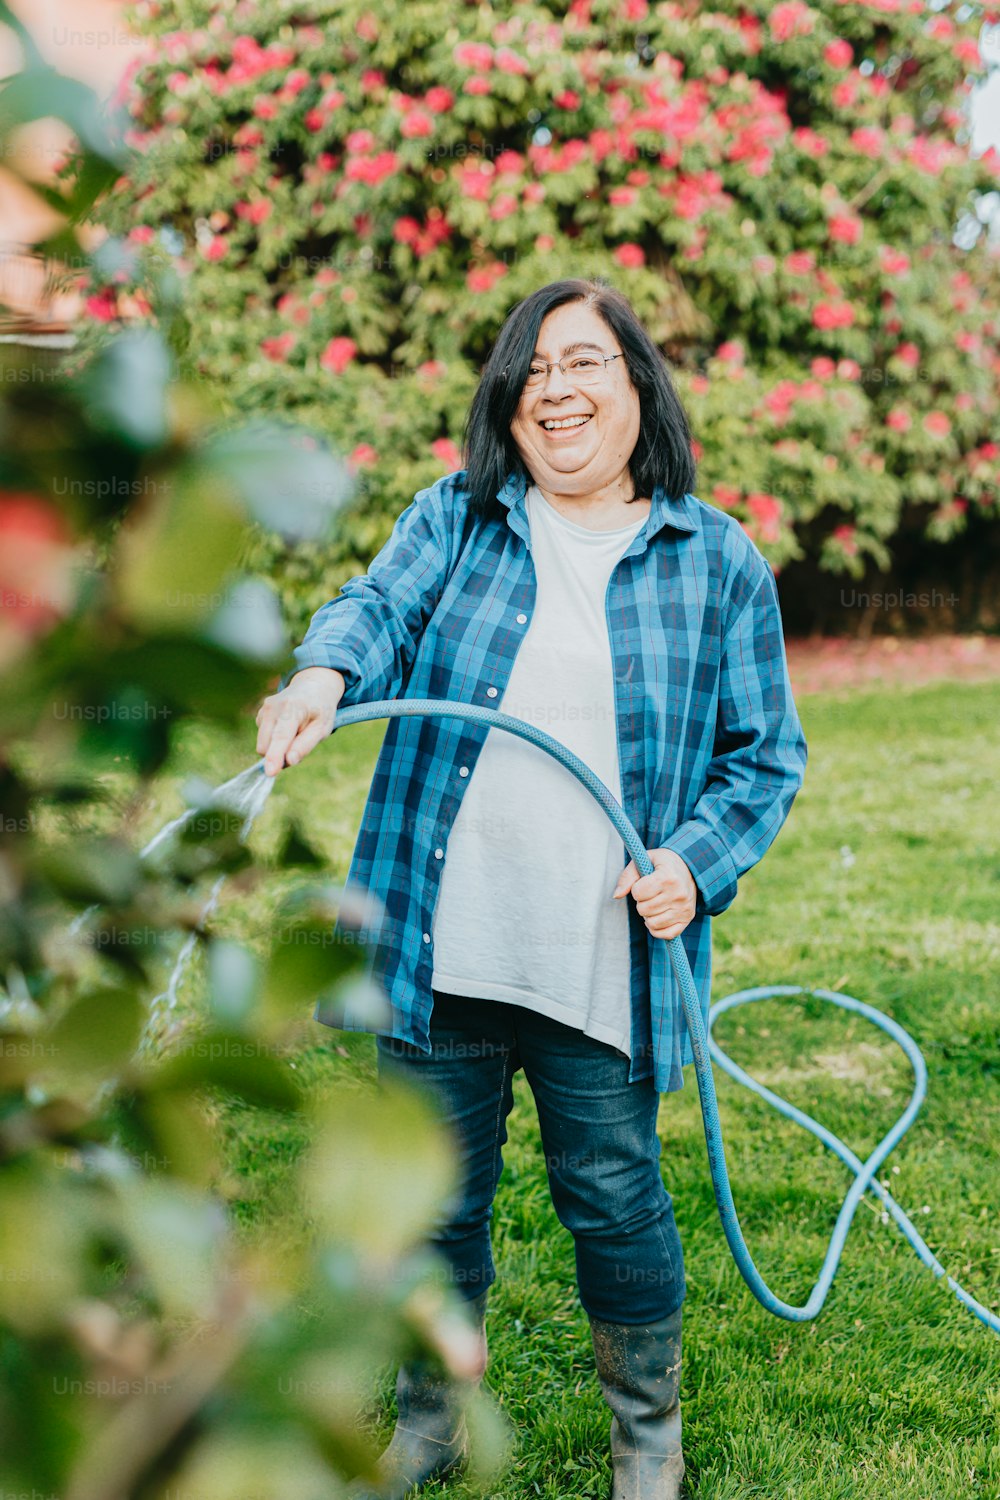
(567,576)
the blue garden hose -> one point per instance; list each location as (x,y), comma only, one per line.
(704,1048)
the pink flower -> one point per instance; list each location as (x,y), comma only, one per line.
(846,229)
(338,354)
(568,99)
(445,450)
(810,141)
(279,347)
(417,123)
(405,230)
(216,249)
(893,262)
(731,350)
(295,81)
(869,140)
(726,495)
(504,206)
(622,195)
(630,255)
(839,53)
(823,367)
(102,306)
(800,262)
(937,424)
(846,536)
(791,18)
(766,511)
(899,419)
(700,384)
(509,62)
(362,457)
(848,369)
(142,234)
(483,278)
(477,86)
(475,55)
(265,107)
(909,354)
(844,94)
(255,213)
(827,315)
(439,100)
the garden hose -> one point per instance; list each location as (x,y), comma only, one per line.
(705,1049)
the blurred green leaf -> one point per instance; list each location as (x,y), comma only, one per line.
(95,868)
(181,1239)
(97,1034)
(233,982)
(176,550)
(291,481)
(243,1065)
(374,1148)
(124,389)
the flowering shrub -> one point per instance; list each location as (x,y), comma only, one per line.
(354,203)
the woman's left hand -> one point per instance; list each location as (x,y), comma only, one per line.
(666,899)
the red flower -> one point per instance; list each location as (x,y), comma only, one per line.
(568,99)
(362,457)
(622,195)
(827,315)
(839,53)
(726,495)
(791,18)
(893,262)
(909,354)
(475,55)
(445,450)
(36,562)
(732,350)
(483,278)
(217,248)
(899,419)
(823,367)
(847,538)
(279,347)
(846,229)
(439,100)
(417,123)
(630,255)
(103,305)
(800,262)
(937,424)
(338,354)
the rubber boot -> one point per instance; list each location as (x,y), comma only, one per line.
(639,1367)
(430,1438)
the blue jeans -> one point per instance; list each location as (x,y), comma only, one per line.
(598,1131)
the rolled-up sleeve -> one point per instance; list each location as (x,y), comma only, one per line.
(759,756)
(371,631)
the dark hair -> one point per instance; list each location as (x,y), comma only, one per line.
(662,454)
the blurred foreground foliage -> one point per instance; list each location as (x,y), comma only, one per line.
(146,1346)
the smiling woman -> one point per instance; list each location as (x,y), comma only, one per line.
(567,576)
(576,389)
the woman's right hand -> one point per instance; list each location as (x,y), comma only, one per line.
(292,722)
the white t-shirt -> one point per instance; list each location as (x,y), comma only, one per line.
(525,911)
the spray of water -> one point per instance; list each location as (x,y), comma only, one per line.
(246,794)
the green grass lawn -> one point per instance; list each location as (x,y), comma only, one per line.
(885,883)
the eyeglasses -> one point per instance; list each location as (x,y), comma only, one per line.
(582,369)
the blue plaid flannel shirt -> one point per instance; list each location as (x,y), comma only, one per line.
(711,749)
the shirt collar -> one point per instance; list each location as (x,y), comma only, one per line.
(680,514)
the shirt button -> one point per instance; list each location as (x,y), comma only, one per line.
(463,770)
(427,937)
(491,692)
(439,854)
(521,619)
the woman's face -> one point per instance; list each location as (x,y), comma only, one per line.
(577,460)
